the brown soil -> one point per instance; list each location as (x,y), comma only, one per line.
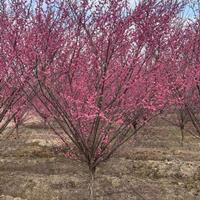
(154,166)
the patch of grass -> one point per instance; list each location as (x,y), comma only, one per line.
(34,150)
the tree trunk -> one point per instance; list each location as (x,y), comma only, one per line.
(17,130)
(91,184)
(182,136)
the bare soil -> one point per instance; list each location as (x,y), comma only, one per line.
(153,166)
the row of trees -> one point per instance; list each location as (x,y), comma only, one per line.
(100,70)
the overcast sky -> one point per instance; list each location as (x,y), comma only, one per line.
(188,12)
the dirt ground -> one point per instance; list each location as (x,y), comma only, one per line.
(154,166)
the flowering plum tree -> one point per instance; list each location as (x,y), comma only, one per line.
(193,72)
(99,69)
(14,17)
(9,91)
(176,72)
(185,65)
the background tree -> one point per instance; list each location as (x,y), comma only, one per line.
(186,84)
(14,19)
